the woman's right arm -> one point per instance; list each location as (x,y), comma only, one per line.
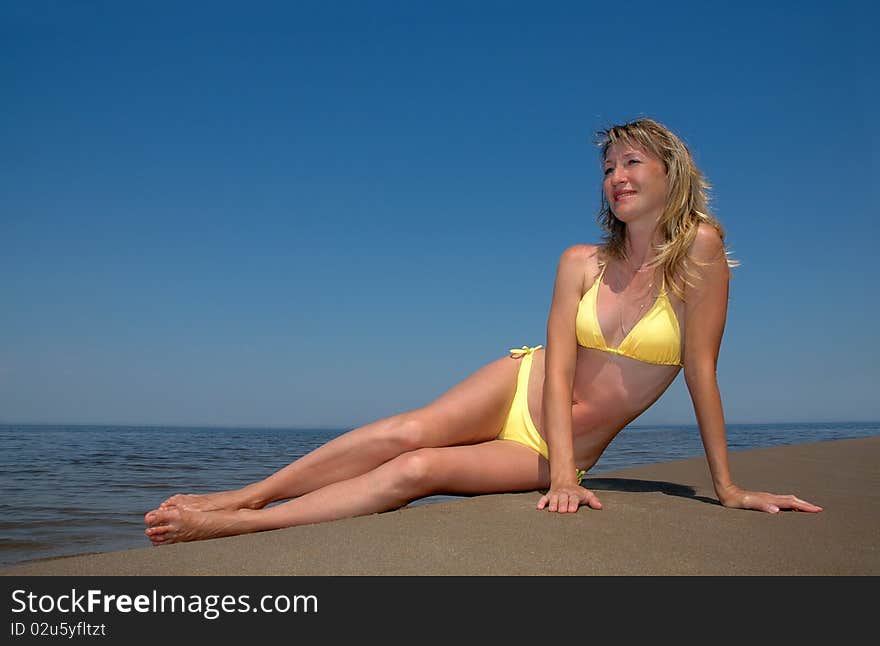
(565,495)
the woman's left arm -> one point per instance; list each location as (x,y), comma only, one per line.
(705,316)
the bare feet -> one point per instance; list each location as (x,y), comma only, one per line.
(222,500)
(176,525)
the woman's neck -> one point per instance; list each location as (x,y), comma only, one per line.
(639,245)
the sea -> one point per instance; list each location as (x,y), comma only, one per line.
(83,489)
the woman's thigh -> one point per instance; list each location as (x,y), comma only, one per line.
(473,410)
(496,466)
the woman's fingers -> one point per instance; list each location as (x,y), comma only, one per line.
(593,500)
(796,504)
(773,503)
(567,501)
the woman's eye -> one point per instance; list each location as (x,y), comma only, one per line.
(606,171)
(634,161)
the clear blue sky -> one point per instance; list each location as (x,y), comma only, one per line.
(320,213)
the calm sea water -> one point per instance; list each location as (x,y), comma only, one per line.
(79,489)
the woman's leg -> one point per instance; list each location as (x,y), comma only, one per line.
(470,412)
(490,467)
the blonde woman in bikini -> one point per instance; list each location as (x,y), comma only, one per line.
(625,317)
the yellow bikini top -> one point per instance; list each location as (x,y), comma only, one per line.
(656,338)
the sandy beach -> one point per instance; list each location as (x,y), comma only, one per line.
(661,519)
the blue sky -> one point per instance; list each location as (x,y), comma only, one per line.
(320,213)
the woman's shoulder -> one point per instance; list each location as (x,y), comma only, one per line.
(707,245)
(707,263)
(581,261)
(580,254)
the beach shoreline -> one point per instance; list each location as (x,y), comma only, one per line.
(658,520)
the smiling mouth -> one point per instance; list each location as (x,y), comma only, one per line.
(620,196)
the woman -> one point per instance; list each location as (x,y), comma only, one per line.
(625,317)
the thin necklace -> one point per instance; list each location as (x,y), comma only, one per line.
(638,316)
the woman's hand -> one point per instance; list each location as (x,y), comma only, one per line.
(762,501)
(567,499)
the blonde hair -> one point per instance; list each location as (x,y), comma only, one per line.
(687,201)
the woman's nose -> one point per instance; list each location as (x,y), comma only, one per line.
(618,175)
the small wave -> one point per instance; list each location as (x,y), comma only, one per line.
(11,545)
(32,471)
(134,486)
(156,466)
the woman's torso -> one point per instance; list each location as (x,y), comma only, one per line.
(609,390)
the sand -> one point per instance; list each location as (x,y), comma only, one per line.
(661,519)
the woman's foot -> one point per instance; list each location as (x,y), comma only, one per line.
(177,525)
(220,501)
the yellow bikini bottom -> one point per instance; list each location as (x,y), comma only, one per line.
(519,427)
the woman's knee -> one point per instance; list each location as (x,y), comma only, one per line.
(408,432)
(413,472)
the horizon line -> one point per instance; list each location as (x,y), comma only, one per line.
(281,427)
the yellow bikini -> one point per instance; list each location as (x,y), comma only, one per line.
(519,426)
(656,338)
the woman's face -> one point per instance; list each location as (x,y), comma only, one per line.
(635,183)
